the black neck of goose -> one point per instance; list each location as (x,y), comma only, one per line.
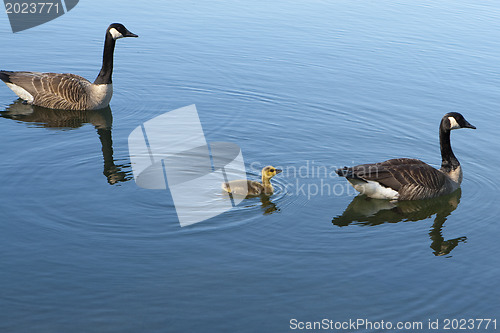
(449,161)
(106,72)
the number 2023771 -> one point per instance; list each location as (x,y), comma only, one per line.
(32,7)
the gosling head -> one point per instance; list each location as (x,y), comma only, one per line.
(118,30)
(455,120)
(269,172)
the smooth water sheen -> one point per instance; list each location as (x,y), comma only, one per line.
(305,86)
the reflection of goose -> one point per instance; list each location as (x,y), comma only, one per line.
(411,179)
(251,187)
(268,206)
(65,119)
(69,91)
(365,211)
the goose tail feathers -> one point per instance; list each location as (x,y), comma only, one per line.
(347,173)
(5,76)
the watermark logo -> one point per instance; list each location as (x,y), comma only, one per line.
(25,14)
(171,151)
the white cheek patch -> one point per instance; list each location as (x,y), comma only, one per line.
(453,123)
(115,34)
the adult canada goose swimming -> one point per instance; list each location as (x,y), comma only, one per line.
(411,179)
(69,91)
(251,187)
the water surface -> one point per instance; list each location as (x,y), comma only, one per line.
(307,87)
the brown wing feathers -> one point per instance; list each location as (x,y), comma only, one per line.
(398,174)
(52,90)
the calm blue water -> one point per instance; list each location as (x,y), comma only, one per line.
(305,86)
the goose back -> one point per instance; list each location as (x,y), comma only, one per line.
(412,179)
(58,91)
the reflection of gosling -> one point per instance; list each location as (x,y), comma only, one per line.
(253,188)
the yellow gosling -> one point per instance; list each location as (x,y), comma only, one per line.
(251,187)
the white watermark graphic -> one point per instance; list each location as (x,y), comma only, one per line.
(171,151)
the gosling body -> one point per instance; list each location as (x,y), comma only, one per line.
(412,179)
(247,188)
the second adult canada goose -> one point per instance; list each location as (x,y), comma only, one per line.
(245,187)
(69,91)
(411,179)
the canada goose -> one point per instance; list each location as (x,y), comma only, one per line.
(251,187)
(69,91)
(411,179)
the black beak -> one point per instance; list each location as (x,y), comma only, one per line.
(469,125)
(278,171)
(130,34)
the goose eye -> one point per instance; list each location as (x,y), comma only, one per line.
(272,170)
